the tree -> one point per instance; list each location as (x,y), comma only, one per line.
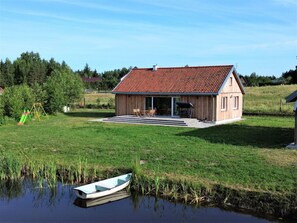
(16,99)
(29,68)
(290,76)
(6,73)
(111,78)
(62,88)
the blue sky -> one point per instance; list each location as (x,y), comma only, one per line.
(255,35)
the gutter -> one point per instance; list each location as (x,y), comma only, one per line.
(168,93)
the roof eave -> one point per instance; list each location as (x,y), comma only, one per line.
(237,79)
(167,93)
(292,97)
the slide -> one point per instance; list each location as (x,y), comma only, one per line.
(24,117)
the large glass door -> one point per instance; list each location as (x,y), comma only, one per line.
(165,106)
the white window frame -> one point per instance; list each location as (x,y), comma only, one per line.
(224,103)
(236,102)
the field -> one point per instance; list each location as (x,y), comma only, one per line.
(268,99)
(92,98)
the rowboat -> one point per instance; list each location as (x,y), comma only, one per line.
(120,195)
(103,188)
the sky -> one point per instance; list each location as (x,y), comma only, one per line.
(254,35)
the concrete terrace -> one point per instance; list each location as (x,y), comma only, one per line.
(159,121)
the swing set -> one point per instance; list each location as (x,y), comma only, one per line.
(36,112)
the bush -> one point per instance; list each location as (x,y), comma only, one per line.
(111,103)
(16,99)
(62,88)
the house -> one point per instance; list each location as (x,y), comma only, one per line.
(91,83)
(215,92)
(91,79)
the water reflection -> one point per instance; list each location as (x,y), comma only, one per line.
(25,201)
(103,200)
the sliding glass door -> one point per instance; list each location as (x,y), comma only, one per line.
(165,106)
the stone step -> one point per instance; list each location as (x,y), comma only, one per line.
(151,121)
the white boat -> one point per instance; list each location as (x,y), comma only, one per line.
(104,187)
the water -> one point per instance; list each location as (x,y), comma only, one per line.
(23,202)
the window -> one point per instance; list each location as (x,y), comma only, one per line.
(148,103)
(231,80)
(236,102)
(224,103)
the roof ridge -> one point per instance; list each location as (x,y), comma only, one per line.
(203,66)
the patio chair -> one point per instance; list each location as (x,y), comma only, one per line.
(136,111)
(151,112)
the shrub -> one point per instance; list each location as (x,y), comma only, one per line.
(16,99)
(62,88)
(111,103)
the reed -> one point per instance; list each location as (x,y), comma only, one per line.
(195,196)
(157,185)
(10,167)
(136,168)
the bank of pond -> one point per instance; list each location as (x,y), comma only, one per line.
(24,200)
(36,185)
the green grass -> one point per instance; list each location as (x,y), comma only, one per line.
(246,155)
(268,99)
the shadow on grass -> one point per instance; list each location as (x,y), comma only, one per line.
(240,135)
(93,114)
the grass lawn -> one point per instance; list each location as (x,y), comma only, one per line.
(247,155)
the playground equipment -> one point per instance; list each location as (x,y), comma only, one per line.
(24,117)
(36,112)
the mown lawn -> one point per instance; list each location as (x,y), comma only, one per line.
(249,154)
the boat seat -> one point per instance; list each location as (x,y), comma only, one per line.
(120,181)
(101,188)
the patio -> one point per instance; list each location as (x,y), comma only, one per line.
(158,120)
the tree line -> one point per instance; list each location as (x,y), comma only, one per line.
(30,69)
(288,77)
(30,79)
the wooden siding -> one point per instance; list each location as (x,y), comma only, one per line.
(230,91)
(126,103)
(203,106)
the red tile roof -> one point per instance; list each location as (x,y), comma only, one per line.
(200,80)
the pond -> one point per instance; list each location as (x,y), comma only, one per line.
(23,201)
